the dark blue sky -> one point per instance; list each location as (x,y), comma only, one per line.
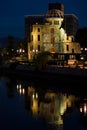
(12,13)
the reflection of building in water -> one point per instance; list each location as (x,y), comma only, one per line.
(34,105)
(28,95)
(54,110)
(51,108)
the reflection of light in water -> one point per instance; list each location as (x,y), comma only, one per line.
(83,108)
(33,96)
(34,106)
(20,89)
(17,86)
(36,95)
(23,90)
(31,90)
(52,107)
(20,86)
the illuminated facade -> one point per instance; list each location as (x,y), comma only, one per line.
(46,33)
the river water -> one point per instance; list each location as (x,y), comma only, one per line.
(29,105)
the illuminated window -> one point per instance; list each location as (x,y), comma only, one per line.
(52,39)
(52,50)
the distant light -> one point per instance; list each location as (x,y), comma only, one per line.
(36,50)
(82,58)
(20,50)
(81,48)
(85,49)
(23,51)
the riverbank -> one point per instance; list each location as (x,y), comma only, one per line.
(73,79)
(50,73)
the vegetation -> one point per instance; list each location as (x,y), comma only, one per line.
(15,49)
(41,59)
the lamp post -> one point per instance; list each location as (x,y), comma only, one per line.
(21,52)
(35,51)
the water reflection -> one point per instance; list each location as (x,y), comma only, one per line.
(20,89)
(52,106)
(83,107)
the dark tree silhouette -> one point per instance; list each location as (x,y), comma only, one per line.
(10,46)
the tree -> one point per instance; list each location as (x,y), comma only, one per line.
(10,46)
(41,59)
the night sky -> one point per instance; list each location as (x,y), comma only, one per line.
(12,13)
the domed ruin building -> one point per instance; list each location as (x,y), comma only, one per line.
(53,32)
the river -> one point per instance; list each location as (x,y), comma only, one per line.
(29,105)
